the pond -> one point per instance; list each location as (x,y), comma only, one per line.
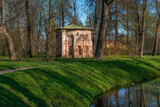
(140,95)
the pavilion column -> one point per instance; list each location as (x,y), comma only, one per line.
(74,46)
(67,47)
(88,51)
(91,45)
(83,47)
(63,43)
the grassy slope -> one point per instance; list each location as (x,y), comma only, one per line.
(7,64)
(72,84)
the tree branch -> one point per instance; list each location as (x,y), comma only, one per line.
(3,12)
(109,2)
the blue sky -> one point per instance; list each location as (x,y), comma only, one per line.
(81,4)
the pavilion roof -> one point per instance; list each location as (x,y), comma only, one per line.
(75,27)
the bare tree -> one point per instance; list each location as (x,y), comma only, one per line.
(96,22)
(157,31)
(75,10)
(143,27)
(5,34)
(103,26)
(116,29)
(138,26)
(62,10)
(48,27)
(29,29)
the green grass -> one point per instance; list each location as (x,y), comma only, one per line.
(8,64)
(69,84)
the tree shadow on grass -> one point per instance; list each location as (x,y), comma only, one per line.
(17,87)
(50,73)
(8,60)
(7,98)
(87,73)
(33,75)
(137,71)
(131,70)
(4,67)
(147,64)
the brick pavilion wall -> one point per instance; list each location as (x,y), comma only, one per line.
(80,41)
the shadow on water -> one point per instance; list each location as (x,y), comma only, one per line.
(14,101)
(140,95)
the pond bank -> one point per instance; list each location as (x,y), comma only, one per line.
(136,95)
(72,84)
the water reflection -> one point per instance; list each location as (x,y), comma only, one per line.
(142,95)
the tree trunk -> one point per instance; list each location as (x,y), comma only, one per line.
(21,38)
(157,31)
(143,28)
(136,35)
(63,23)
(29,30)
(127,40)
(5,34)
(75,11)
(116,30)
(38,36)
(4,49)
(95,23)
(142,45)
(102,30)
(9,43)
(49,32)
(156,39)
(138,29)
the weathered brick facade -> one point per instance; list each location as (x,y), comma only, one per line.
(75,43)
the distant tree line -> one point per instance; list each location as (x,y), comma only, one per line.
(133,23)
(27,27)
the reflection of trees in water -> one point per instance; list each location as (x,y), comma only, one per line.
(158,99)
(153,88)
(148,92)
(143,95)
(117,98)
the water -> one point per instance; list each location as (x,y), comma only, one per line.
(140,95)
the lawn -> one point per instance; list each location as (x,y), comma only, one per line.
(68,83)
(6,64)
